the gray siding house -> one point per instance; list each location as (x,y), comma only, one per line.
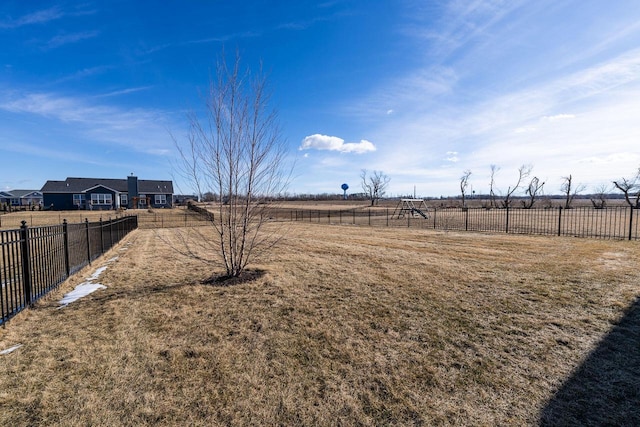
(21,198)
(103,194)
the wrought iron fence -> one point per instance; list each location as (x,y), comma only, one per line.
(35,260)
(620,222)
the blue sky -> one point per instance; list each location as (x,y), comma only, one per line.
(421,90)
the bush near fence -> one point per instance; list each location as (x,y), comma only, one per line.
(35,260)
(620,222)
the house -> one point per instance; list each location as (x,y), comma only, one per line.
(102,194)
(20,199)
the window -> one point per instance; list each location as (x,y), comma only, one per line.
(101,199)
(143,200)
(124,200)
(79,199)
(161,199)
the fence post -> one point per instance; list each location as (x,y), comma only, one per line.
(466,219)
(387,217)
(26,262)
(369,217)
(86,229)
(506,230)
(631,222)
(434,217)
(65,240)
(559,220)
(354,217)
(101,236)
(110,233)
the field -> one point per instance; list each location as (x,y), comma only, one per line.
(344,326)
(152,218)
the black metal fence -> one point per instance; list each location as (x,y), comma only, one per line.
(620,222)
(35,260)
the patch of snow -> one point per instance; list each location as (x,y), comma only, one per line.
(10,349)
(115,258)
(80,291)
(96,274)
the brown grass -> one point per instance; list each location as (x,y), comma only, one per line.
(348,326)
(147,218)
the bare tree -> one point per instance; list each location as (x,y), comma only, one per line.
(599,196)
(492,186)
(464,185)
(569,191)
(533,191)
(235,150)
(374,185)
(523,173)
(630,188)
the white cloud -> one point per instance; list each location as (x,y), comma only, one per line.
(559,117)
(38,17)
(64,39)
(525,129)
(333,143)
(124,91)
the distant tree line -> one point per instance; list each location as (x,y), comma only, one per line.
(528,190)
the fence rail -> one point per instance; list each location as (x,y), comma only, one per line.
(620,222)
(35,260)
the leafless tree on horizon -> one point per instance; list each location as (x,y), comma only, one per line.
(464,185)
(630,187)
(374,185)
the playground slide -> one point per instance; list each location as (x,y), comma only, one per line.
(419,212)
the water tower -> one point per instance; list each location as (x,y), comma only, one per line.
(345,187)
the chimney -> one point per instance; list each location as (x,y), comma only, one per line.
(132,189)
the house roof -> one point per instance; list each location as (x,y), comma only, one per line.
(80,185)
(22,193)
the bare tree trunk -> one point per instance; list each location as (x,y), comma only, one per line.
(569,190)
(464,184)
(533,191)
(630,188)
(523,172)
(492,184)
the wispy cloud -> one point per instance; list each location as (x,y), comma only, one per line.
(140,129)
(461,23)
(85,72)
(452,156)
(38,17)
(217,39)
(124,91)
(333,143)
(559,124)
(559,117)
(63,39)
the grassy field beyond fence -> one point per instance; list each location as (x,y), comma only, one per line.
(147,218)
(349,326)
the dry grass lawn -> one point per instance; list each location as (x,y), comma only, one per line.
(147,218)
(348,326)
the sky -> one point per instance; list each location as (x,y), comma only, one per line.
(422,90)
